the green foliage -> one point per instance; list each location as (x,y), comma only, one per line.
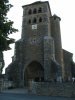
(6,26)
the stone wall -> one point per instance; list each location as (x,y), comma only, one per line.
(54,89)
(68,59)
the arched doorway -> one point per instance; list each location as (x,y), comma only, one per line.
(34,71)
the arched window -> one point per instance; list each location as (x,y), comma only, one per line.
(34,20)
(40,19)
(34,11)
(40,10)
(29,21)
(30,12)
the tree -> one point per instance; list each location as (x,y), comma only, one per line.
(6,26)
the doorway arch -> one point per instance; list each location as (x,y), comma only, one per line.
(34,71)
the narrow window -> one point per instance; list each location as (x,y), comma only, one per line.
(29,22)
(40,19)
(34,20)
(40,10)
(30,12)
(34,11)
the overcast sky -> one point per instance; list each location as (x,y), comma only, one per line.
(63,8)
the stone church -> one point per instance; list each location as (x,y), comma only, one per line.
(38,55)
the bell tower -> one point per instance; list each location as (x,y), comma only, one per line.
(36,36)
(35,53)
(36,20)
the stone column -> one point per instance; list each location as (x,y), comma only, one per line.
(48,56)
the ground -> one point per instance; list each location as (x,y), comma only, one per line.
(22,96)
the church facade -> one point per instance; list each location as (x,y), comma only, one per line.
(38,55)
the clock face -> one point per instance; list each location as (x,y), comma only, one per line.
(34,26)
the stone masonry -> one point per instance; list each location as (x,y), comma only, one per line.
(35,51)
(38,55)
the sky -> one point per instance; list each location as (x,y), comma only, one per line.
(62,8)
